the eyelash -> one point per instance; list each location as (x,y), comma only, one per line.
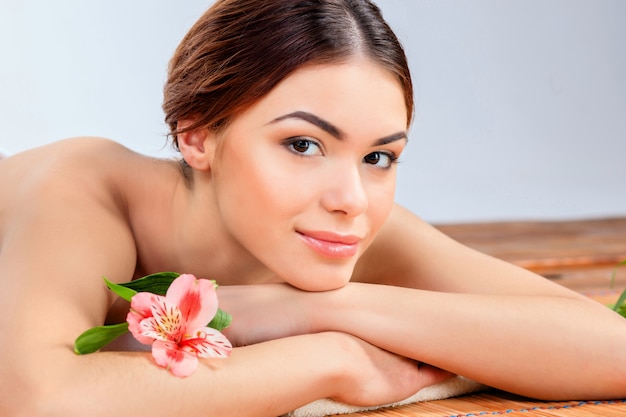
(292,142)
(393,159)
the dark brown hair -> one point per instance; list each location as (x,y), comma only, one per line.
(240,49)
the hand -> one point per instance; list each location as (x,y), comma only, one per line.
(376,376)
(263,312)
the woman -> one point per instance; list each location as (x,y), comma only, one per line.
(289,117)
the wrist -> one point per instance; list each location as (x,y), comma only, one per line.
(342,352)
(327,310)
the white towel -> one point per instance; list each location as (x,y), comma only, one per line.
(452,387)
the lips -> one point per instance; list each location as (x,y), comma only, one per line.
(331,245)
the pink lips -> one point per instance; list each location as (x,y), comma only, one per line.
(331,245)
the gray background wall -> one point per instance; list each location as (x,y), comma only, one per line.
(521,104)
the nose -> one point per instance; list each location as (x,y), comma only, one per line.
(345,192)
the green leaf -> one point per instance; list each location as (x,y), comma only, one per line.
(620,301)
(621,309)
(156,283)
(618,305)
(95,338)
(121,290)
(221,320)
(615,272)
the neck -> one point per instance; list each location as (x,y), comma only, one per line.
(179,228)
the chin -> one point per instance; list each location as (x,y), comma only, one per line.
(317,276)
(320,285)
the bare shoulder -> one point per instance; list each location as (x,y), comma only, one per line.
(397,250)
(62,227)
(56,161)
(78,168)
(412,253)
(62,183)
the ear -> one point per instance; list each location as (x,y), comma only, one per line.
(196,146)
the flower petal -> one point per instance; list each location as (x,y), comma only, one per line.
(137,330)
(167,320)
(141,303)
(179,362)
(140,309)
(208,343)
(196,299)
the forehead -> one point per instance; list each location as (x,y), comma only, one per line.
(359,96)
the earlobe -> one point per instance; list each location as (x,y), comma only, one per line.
(196,146)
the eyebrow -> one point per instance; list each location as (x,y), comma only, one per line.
(333,130)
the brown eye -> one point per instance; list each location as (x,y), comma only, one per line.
(382,160)
(372,158)
(301,146)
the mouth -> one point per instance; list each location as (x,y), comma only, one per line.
(331,245)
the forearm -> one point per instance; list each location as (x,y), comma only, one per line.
(546,347)
(267,379)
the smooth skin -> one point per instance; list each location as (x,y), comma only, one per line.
(335,292)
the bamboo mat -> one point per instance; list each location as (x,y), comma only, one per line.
(492,403)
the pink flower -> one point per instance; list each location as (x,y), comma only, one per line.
(176,324)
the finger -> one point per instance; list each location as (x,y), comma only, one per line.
(431,375)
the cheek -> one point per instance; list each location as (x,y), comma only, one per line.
(381,201)
(253,187)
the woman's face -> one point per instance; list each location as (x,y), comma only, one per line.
(305,178)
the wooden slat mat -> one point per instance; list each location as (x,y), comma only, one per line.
(545,244)
(579,254)
(495,402)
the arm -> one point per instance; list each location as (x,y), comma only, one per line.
(457,309)
(543,347)
(266,379)
(480,317)
(54,252)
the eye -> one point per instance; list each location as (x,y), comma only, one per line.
(304,147)
(380,159)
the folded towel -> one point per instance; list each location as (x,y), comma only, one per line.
(449,388)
